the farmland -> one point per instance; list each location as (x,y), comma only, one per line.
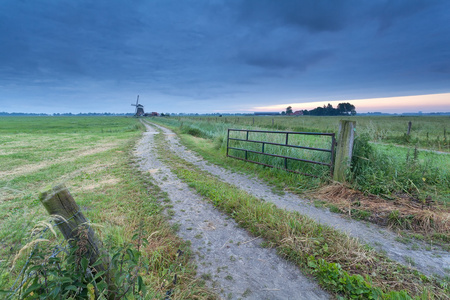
(382,134)
(400,177)
(92,156)
(430,132)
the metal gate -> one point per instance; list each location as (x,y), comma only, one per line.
(285,143)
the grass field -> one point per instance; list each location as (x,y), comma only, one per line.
(385,159)
(409,181)
(91,156)
(431,132)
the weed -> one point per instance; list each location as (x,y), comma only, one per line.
(319,203)
(403,239)
(334,208)
(409,260)
(395,220)
(247,293)
(415,247)
(360,214)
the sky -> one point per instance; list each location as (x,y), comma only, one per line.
(213,56)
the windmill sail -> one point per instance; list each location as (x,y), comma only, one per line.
(139,108)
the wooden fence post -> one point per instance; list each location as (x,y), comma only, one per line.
(344,149)
(409,128)
(72,223)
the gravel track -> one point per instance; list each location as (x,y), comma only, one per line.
(230,260)
(416,255)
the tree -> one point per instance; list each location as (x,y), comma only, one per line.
(329,110)
(345,108)
(289,110)
(283,113)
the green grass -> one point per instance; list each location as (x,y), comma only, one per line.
(57,125)
(386,172)
(340,263)
(92,157)
(315,141)
(427,131)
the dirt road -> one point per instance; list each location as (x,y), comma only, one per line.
(230,260)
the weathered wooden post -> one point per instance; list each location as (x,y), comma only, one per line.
(74,226)
(344,149)
(409,128)
(59,203)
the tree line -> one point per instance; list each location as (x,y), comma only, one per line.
(343,109)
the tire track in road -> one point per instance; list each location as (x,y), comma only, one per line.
(429,262)
(228,258)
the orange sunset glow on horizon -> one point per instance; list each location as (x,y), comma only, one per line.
(404,104)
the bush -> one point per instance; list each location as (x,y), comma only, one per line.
(60,273)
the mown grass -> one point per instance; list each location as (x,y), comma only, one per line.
(92,157)
(340,263)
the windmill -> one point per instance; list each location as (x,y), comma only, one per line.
(139,108)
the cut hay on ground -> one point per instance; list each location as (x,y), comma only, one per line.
(399,212)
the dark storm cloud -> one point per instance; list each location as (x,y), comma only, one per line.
(388,12)
(311,14)
(64,38)
(280,59)
(222,49)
